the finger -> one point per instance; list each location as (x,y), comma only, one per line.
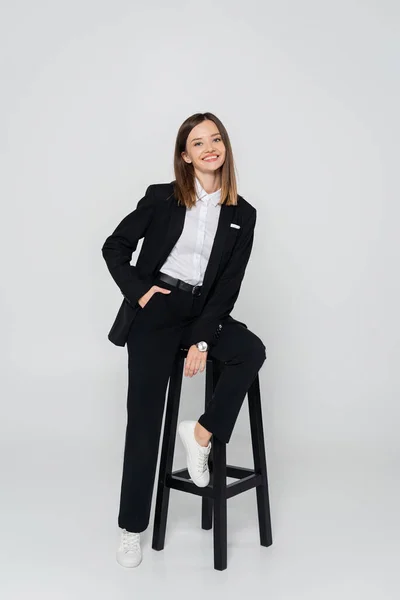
(201,362)
(193,368)
(188,367)
(191,363)
(197,365)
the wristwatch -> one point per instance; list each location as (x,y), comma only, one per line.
(202,346)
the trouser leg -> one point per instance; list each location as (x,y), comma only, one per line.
(243,353)
(152,346)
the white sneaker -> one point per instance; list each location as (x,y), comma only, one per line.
(129,553)
(196,455)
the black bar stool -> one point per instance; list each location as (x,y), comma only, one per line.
(216,494)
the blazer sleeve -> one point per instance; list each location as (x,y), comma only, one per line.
(118,248)
(226,291)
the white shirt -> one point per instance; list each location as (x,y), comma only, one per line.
(189,257)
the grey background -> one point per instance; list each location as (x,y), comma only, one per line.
(92,97)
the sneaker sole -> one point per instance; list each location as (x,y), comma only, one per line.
(129,566)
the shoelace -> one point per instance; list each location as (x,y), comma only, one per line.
(130,540)
(202,458)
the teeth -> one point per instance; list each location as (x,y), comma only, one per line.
(210,157)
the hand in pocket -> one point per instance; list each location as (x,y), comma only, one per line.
(155,289)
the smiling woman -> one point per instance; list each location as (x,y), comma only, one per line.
(197,239)
(204,145)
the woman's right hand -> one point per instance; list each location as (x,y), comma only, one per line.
(153,290)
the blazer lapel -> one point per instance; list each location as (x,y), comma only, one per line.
(225,217)
(175,225)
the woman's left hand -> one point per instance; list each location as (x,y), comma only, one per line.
(195,361)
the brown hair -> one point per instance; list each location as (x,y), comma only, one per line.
(184,186)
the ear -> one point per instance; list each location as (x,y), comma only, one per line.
(185,157)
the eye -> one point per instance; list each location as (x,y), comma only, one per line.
(215,139)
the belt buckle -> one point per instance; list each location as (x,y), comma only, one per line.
(196,290)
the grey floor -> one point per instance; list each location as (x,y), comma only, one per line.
(335,529)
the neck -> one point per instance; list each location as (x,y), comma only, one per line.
(210,182)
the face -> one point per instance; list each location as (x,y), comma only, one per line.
(205,148)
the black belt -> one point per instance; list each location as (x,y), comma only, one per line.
(182,285)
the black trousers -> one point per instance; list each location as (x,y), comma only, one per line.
(157,332)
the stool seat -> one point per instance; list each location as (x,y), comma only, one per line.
(217,492)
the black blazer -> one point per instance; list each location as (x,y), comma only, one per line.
(159,220)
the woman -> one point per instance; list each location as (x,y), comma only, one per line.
(197,238)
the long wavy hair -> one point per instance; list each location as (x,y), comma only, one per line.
(184,185)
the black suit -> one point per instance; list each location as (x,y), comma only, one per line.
(154,333)
(159,220)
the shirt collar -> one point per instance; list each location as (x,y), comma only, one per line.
(202,195)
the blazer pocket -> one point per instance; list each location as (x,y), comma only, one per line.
(231,237)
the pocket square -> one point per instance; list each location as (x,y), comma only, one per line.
(234,225)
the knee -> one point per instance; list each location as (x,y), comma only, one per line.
(258,351)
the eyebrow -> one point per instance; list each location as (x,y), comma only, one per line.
(200,138)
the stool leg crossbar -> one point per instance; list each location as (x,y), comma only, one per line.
(216,494)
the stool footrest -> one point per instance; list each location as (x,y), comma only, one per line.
(247,480)
(244,484)
(183,484)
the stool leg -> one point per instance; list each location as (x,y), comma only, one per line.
(260,462)
(220,506)
(212,375)
(167,453)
